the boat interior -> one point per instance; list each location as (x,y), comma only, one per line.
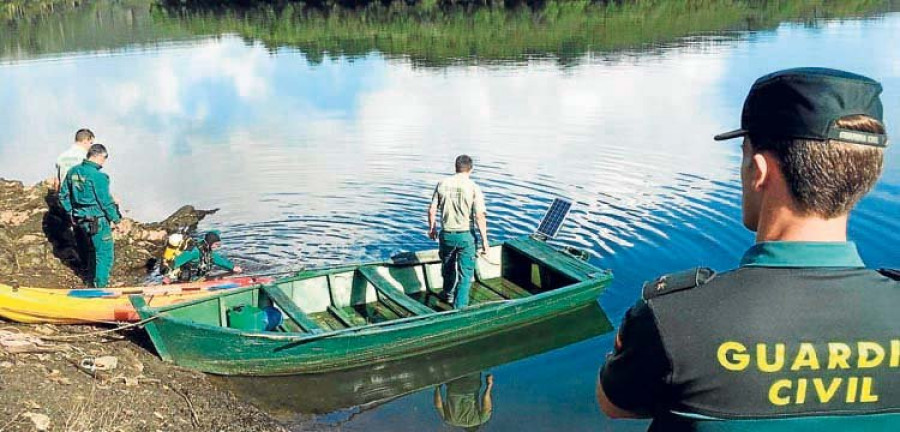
(348,297)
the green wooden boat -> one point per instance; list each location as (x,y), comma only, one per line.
(357,315)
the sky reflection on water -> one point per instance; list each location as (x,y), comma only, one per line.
(335,161)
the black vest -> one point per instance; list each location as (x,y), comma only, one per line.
(770,342)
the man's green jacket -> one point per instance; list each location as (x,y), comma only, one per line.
(85,193)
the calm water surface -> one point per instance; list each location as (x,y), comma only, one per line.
(326,158)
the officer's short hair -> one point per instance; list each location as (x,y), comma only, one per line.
(97,150)
(827,178)
(463,163)
(83,135)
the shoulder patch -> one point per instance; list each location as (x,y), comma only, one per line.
(678,281)
(891,273)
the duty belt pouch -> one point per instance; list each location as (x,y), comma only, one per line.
(91,225)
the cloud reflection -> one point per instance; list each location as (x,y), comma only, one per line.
(344,153)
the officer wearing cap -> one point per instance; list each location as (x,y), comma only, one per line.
(802,335)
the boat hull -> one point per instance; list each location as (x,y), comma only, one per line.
(228,351)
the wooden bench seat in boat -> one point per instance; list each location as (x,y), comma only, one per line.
(386,289)
(504,288)
(546,255)
(291,310)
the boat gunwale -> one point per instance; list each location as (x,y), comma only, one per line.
(392,325)
(598,275)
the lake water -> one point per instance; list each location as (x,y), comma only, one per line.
(321,140)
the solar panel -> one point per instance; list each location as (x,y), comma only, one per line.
(554,217)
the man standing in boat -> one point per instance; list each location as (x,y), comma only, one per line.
(460,202)
(86,198)
(801,335)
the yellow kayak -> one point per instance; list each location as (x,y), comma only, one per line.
(106,305)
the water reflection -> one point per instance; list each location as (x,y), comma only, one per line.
(321,140)
(337,397)
(466,401)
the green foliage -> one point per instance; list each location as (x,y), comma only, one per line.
(45,27)
(429,32)
(441,32)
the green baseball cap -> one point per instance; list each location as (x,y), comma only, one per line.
(806,102)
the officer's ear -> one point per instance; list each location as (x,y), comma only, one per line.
(762,167)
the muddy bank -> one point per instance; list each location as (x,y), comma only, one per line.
(37,247)
(46,381)
(50,385)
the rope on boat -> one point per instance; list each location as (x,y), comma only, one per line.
(101,332)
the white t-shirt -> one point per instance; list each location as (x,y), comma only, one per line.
(68,159)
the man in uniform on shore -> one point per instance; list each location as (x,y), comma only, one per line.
(802,335)
(73,156)
(459,201)
(86,198)
(68,245)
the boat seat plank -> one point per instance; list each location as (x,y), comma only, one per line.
(401,311)
(351,313)
(380,312)
(481,293)
(375,312)
(342,317)
(327,320)
(432,300)
(545,254)
(290,326)
(387,290)
(505,288)
(291,309)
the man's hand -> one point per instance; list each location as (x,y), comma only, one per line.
(237,269)
(485,247)
(433,234)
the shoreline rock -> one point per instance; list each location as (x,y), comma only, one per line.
(37,247)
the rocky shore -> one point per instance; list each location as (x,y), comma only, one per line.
(37,248)
(80,378)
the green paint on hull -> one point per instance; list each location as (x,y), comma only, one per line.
(556,283)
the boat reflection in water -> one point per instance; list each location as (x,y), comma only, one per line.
(463,386)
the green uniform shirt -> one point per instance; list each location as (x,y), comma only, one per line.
(85,193)
(802,330)
(458,199)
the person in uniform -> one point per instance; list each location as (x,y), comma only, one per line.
(70,247)
(197,260)
(73,156)
(802,335)
(85,197)
(459,201)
